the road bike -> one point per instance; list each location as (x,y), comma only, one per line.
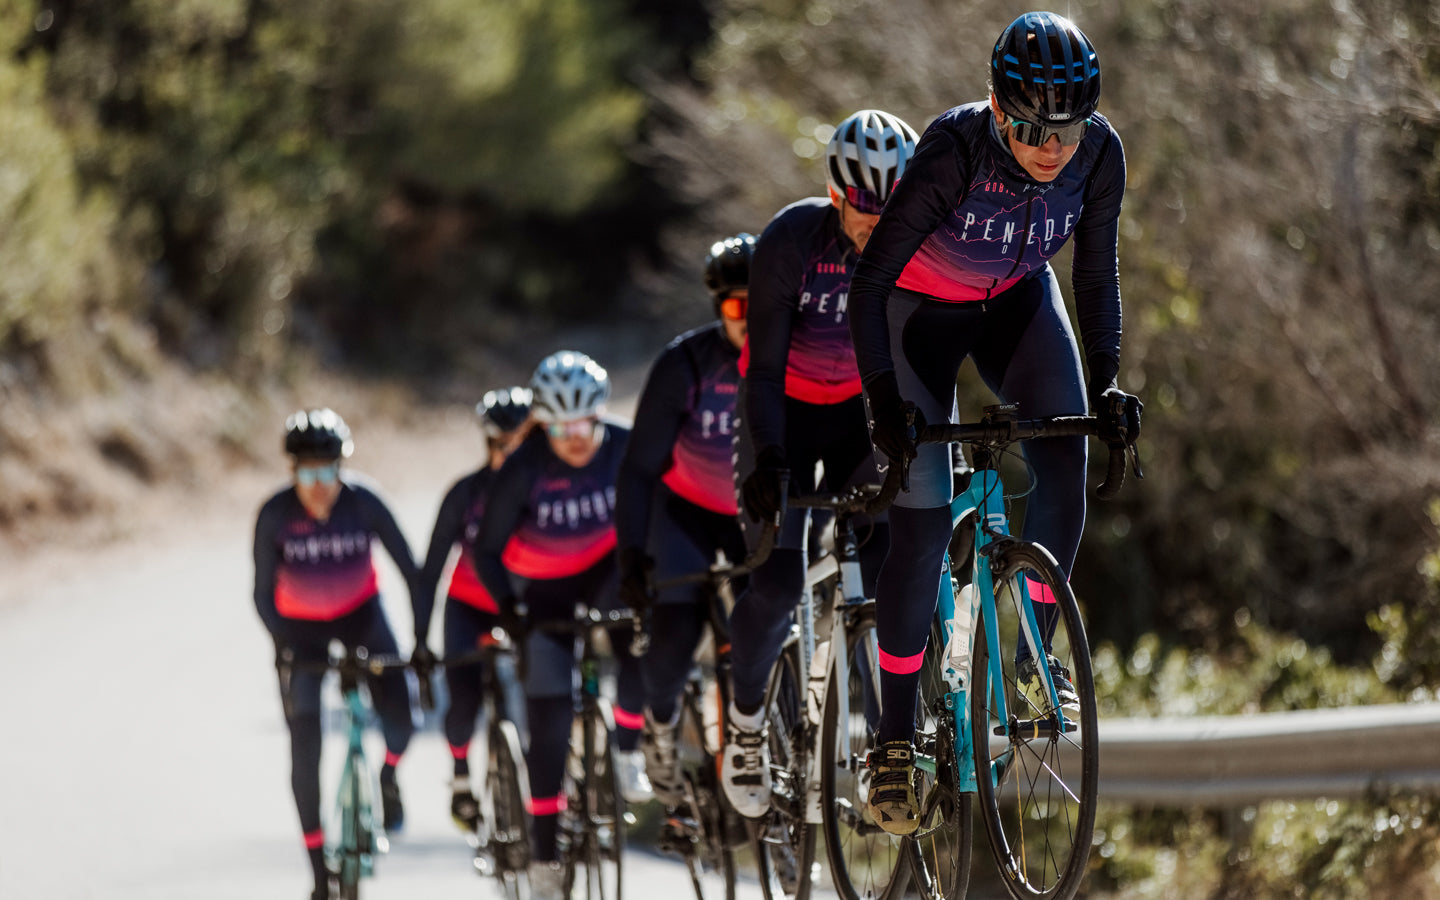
(1007,697)
(354,836)
(704,830)
(822,704)
(591,838)
(501,837)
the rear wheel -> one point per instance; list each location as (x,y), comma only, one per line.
(1038,780)
(784,843)
(941,848)
(865,862)
(704,829)
(506,783)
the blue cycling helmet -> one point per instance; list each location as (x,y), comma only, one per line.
(503,411)
(1045,71)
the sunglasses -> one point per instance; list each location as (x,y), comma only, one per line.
(308,476)
(864,201)
(734,307)
(1032,135)
(579,428)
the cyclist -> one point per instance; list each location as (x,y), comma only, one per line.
(316,581)
(675,497)
(470,611)
(549,523)
(957,267)
(800,404)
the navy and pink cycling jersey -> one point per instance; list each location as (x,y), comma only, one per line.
(966,222)
(799,330)
(459,523)
(684,427)
(545,519)
(319,571)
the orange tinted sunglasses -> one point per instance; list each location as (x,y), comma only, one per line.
(734,307)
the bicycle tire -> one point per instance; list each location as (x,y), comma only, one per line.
(784,843)
(353,831)
(596,811)
(706,837)
(1037,785)
(509,835)
(941,850)
(865,862)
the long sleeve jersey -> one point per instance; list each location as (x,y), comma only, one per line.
(319,571)
(545,519)
(458,522)
(799,333)
(966,222)
(684,424)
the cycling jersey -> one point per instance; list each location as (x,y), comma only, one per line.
(319,571)
(799,340)
(966,222)
(684,424)
(459,522)
(546,519)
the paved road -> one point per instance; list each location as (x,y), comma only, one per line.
(144,755)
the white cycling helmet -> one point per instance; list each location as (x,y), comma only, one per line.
(568,385)
(866,156)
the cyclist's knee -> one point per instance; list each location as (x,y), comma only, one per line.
(776,586)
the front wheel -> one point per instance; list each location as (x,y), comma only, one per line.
(506,785)
(784,842)
(703,829)
(865,862)
(1037,783)
(593,825)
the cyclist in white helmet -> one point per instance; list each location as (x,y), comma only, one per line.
(800,405)
(548,538)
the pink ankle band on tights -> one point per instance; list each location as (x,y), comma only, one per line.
(392,758)
(460,752)
(901,665)
(547,806)
(1039,591)
(315,839)
(626,719)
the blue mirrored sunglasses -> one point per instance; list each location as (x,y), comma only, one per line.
(577,428)
(1032,135)
(312,475)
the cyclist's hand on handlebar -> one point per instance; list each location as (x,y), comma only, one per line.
(1119,415)
(512,620)
(635,568)
(763,489)
(422,661)
(891,428)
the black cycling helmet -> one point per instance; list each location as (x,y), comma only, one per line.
(503,411)
(1045,71)
(317,434)
(727,265)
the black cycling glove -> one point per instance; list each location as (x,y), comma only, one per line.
(635,568)
(763,488)
(1119,415)
(890,432)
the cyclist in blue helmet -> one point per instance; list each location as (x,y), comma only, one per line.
(956,267)
(470,611)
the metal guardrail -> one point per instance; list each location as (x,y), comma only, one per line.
(1224,761)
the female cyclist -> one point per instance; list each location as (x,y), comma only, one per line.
(956,267)
(548,539)
(470,611)
(675,503)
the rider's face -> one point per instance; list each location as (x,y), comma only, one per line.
(856,225)
(1041,163)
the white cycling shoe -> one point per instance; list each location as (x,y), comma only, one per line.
(745,767)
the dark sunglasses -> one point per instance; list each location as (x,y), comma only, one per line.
(864,201)
(1032,135)
(311,475)
(734,307)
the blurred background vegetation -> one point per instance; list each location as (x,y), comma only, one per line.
(206,203)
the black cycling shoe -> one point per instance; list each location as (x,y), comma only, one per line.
(465,810)
(391,807)
(1027,678)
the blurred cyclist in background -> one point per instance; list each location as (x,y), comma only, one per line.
(675,497)
(800,405)
(470,611)
(548,540)
(316,581)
